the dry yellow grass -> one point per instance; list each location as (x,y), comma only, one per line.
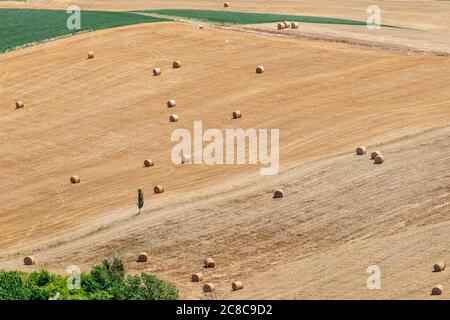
(120,131)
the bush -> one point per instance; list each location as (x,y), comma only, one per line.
(104,282)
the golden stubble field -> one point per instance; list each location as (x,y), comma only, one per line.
(101,118)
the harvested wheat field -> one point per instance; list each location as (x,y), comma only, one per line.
(99,118)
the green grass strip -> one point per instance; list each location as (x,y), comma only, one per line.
(26,26)
(250,18)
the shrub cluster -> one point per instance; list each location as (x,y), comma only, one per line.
(104,282)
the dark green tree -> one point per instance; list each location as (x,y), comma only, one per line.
(140,202)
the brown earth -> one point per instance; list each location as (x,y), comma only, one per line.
(101,118)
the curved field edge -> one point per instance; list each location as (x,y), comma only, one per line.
(230,17)
(22,27)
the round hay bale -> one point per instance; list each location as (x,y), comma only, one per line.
(75,179)
(90,55)
(158,189)
(280,25)
(361,150)
(157,72)
(173,118)
(237,285)
(149,163)
(278,194)
(171,103)
(226,4)
(19,104)
(440,266)
(142,257)
(286,24)
(197,277)
(209,287)
(259,69)
(176,64)
(437,290)
(237,114)
(375,154)
(185,159)
(209,263)
(379,159)
(295,25)
(29,260)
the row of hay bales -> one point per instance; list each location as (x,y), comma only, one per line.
(237,114)
(171,103)
(376,156)
(209,287)
(287,25)
(31,260)
(147,163)
(438,289)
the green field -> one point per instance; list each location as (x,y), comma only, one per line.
(25,26)
(249,18)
